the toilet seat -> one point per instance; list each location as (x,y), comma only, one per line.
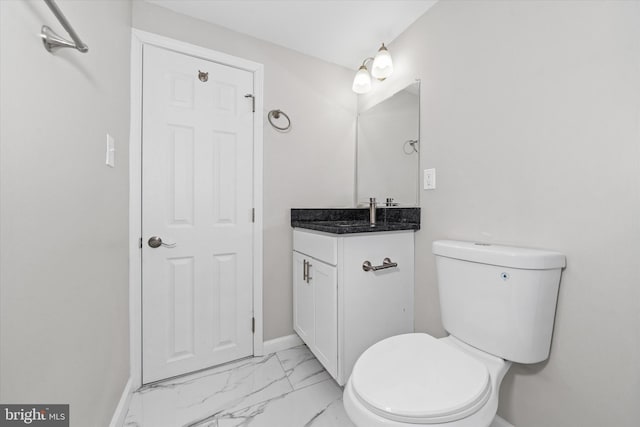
(418,379)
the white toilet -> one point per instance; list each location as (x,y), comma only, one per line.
(498,304)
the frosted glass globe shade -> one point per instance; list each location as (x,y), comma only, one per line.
(362,81)
(382,64)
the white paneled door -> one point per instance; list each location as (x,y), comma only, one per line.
(197,192)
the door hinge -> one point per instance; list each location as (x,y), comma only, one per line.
(140,243)
(253,325)
(253,214)
(253,101)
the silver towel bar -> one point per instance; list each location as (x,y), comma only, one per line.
(53,41)
(386,263)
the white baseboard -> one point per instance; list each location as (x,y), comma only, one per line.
(500,422)
(123,405)
(282,343)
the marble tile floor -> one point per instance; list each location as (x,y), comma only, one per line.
(285,389)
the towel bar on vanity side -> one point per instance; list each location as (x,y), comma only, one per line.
(386,263)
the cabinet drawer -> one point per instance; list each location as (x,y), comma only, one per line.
(324,248)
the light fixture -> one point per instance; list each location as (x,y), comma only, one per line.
(362,80)
(382,64)
(381,68)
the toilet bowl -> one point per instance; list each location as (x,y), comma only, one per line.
(418,380)
(498,305)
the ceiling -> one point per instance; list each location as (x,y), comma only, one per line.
(342,32)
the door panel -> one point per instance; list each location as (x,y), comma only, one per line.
(197,192)
(182,307)
(181,177)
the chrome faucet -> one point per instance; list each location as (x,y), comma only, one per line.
(372,211)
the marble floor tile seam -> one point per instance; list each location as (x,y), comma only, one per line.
(298,371)
(213,418)
(195,377)
(192,377)
(301,366)
(234,404)
(318,404)
(285,371)
(216,370)
(293,390)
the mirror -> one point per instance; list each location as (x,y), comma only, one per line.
(388,150)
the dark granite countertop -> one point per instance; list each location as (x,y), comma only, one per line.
(355,220)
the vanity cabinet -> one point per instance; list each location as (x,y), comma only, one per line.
(315,309)
(339,308)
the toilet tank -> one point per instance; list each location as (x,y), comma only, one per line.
(499,299)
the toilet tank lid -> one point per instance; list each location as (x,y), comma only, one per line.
(504,256)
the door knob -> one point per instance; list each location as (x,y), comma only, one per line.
(156,242)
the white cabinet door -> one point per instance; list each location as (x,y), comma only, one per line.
(303,310)
(324,278)
(315,308)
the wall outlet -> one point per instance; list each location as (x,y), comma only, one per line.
(429,179)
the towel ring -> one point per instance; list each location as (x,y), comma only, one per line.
(412,143)
(276,115)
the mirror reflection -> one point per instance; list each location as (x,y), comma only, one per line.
(388,150)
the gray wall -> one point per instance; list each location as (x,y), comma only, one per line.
(531,116)
(63,213)
(311,166)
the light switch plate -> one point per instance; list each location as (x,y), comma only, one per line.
(429,179)
(111,152)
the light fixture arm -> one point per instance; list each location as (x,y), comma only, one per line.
(364,63)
